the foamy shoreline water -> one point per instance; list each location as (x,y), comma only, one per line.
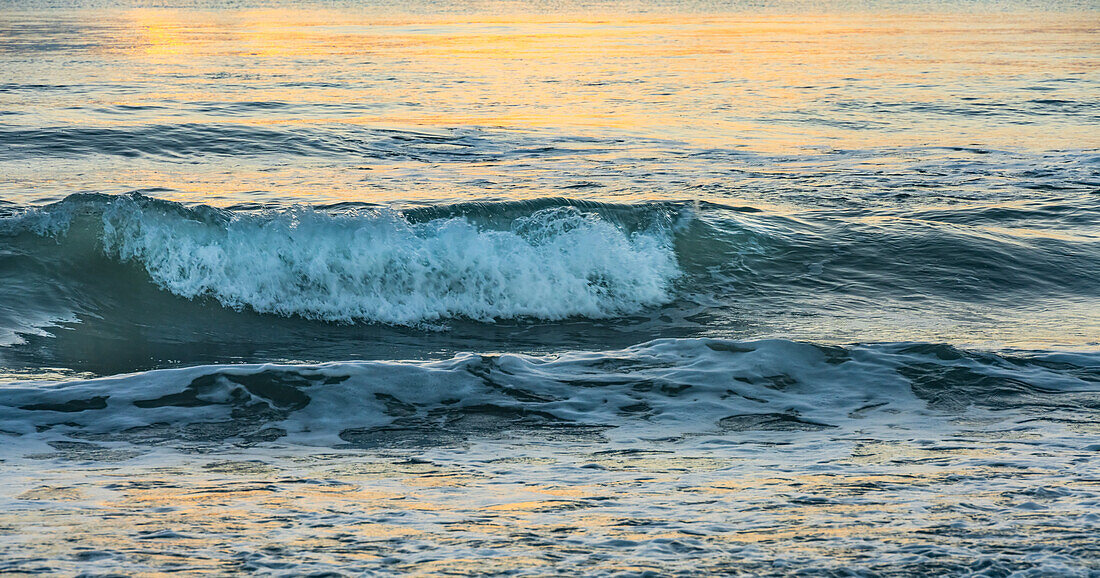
(906,458)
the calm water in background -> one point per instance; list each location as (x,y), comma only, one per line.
(596,288)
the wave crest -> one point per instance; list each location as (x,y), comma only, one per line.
(376,265)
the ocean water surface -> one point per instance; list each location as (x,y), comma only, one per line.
(332,287)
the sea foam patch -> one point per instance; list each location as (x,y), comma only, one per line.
(733,391)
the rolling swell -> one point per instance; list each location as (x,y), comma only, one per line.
(183,141)
(118,263)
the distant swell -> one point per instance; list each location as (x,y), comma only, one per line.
(368,264)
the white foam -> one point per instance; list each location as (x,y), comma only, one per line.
(671,387)
(688,385)
(377,266)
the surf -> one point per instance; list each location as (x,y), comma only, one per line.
(375,264)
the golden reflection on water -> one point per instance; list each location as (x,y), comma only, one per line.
(684,83)
(346,509)
(756,60)
(604,71)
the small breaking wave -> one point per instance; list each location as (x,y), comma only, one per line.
(376,264)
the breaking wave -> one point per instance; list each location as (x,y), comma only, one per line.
(379,265)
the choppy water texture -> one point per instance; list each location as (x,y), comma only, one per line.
(598,289)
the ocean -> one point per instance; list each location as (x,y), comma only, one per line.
(634,288)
